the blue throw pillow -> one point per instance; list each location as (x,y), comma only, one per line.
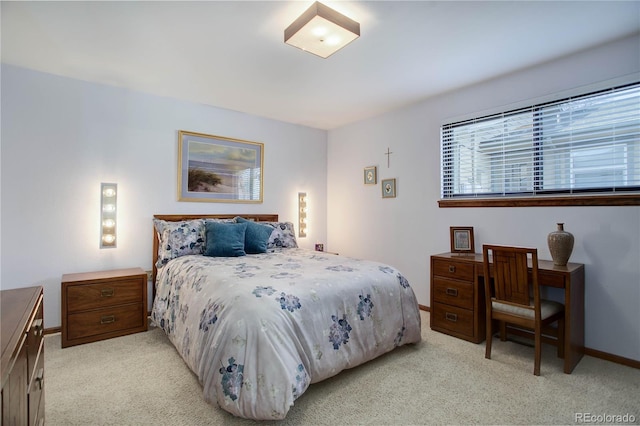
(224,239)
(256,236)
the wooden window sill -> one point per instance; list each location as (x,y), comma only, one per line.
(576,200)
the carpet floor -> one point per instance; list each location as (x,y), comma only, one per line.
(141,380)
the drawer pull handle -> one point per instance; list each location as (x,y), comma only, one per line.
(452,291)
(451,317)
(37,327)
(40,378)
(108,319)
(106,292)
(452,268)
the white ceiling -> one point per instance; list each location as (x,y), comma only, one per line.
(231,54)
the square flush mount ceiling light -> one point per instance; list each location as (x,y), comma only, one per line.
(321,31)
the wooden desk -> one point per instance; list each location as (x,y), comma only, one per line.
(458,305)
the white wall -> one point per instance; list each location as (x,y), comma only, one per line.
(61,138)
(406,230)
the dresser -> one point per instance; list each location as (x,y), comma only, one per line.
(457,298)
(101,305)
(22,356)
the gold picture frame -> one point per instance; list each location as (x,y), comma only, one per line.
(219,169)
(388,188)
(462,239)
(370,175)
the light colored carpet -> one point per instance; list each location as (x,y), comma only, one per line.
(141,380)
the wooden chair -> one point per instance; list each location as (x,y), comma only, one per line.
(509,299)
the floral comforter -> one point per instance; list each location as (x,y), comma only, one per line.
(259,329)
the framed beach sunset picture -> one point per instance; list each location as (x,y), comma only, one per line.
(219,169)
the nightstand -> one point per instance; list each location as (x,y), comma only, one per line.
(102,305)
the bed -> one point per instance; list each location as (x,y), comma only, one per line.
(257,329)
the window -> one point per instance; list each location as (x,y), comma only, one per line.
(248,183)
(585,144)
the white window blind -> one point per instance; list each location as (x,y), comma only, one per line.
(248,183)
(588,143)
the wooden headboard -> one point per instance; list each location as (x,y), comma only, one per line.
(180,217)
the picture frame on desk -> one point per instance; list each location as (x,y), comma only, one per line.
(462,239)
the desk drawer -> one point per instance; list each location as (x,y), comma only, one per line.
(98,295)
(107,320)
(453,292)
(452,269)
(452,318)
(550,279)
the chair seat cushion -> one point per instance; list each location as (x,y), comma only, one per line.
(547,308)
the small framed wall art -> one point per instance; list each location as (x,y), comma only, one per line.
(370,175)
(462,239)
(388,188)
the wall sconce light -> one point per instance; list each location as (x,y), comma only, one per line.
(302,214)
(321,31)
(108,214)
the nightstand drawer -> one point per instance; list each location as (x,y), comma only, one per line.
(452,292)
(451,269)
(98,295)
(452,318)
(104,321)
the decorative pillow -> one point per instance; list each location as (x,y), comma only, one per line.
(225,239)
(256,236)
(231,220)
(283,235)
(178,239)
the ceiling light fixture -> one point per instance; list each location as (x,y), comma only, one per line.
(321,31)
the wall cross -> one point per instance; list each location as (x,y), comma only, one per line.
(388,154)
